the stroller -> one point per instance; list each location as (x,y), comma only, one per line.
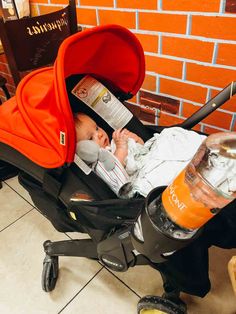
(37,136)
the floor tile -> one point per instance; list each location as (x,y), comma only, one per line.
(12,206)
(221,299)
(21,260)
(146,281)
(82,280)
(105,294)
(15,185)
(143,280)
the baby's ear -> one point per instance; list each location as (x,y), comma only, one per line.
(88,151)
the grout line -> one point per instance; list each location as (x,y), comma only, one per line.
(233,122)
(186,81)
(122,282)
(222,6)
(215,53)
(200,38)
(164,12)
(208,95)
(189,24)
(80,290)
(32,204)
(184,71)
(17,219)
(97,16)
(159,48)
(181,108)
(158,83)
(137,20)
(204,63)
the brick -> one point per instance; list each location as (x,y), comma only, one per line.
(164,66)
(37,1)
(183,90)
(216,118)
(133,108)
(33,10)
(97,3)
(159,22)
(147,115)
(133,99)
(137,4)
(187,48)
(226,54)
(167,120)
(126,19)
(159,102)
(144,114)
(148,42)
(214,27)
(43,9)
(197,127)
(149,83)
(230,6)
(58,2)
(210,130)
(209,75)
(191,5)
(230,105)
(86,16)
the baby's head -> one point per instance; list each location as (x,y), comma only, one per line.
(87,129)
(90,142)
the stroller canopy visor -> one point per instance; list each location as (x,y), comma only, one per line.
(38,121)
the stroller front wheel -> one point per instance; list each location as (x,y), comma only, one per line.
(50,273)
(159,305)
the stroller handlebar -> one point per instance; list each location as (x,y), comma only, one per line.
(210,106)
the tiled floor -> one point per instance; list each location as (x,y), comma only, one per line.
(84,286)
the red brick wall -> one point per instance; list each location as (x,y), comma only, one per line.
(190,51)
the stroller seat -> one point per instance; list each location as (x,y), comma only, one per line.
(37,135)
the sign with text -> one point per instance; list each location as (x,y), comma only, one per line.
(8,9)
(40,36)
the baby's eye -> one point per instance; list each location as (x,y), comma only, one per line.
(97,128)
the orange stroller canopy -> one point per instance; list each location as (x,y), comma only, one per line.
(38,121)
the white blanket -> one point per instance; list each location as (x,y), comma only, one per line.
(160,159)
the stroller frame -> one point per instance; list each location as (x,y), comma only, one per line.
(112,246)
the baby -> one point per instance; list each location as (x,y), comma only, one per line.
(87,129)
(139,167)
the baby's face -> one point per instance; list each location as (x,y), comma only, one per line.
(88,130)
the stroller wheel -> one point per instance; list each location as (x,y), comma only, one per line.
(50,273)
(159,305)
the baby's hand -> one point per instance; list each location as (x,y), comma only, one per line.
(133,136)
(120,138)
